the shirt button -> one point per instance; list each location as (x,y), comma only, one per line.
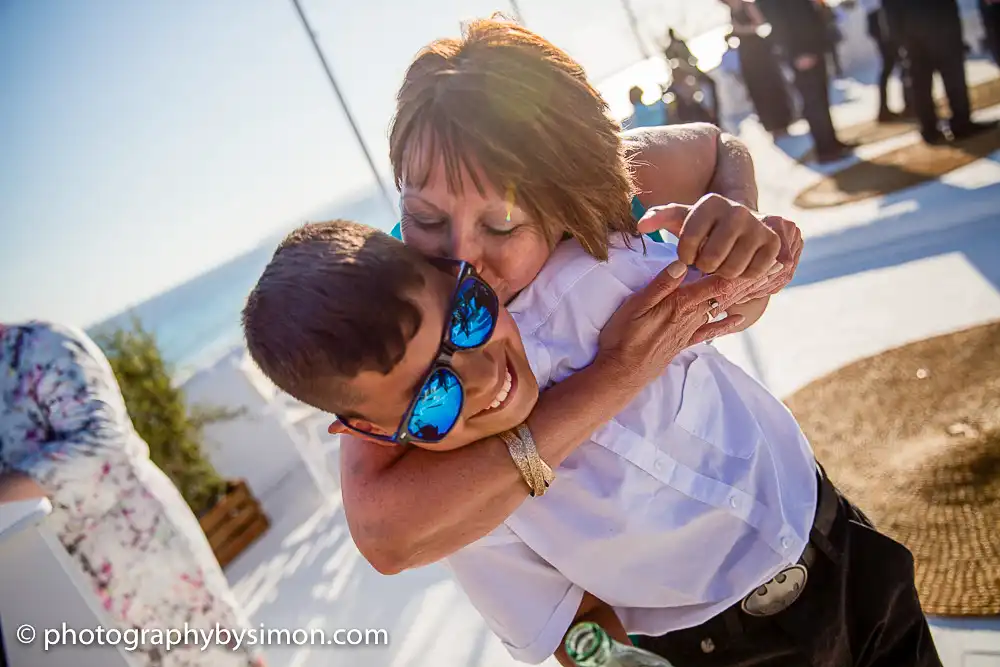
(733,502)
(658,464)
(786,543)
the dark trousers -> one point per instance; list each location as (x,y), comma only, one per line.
(888,50)
(940,51)
(990,13)
(859,609)
(813,85)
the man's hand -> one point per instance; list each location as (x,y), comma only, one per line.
(788,257)
(718,236)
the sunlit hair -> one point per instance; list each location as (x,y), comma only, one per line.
(506,101)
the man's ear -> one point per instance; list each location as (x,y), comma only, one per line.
(365,430)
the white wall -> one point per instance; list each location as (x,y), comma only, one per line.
(255,447)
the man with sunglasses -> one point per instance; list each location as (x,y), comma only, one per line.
(696,520)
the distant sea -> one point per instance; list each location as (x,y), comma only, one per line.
(198,321)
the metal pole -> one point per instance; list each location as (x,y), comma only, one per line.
(518,16)
(343,105)
(634,23)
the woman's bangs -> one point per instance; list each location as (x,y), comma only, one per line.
(438,140)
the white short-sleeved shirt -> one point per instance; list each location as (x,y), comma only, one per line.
(701,489)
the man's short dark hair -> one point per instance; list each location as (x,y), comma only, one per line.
(333,301)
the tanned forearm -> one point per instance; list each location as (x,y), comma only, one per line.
(734,176)
(735,179)
(679,164)
(410,508)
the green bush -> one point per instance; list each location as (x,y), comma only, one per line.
(162,417)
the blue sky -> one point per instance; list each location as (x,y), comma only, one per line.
(146,142)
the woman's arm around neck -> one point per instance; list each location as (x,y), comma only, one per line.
(410,507)
(679,164)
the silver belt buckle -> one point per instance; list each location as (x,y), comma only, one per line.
(777,594)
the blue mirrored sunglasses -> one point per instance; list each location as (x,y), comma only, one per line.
(437,404)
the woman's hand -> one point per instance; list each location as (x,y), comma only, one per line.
(788,257)
(655,324)
(718,236)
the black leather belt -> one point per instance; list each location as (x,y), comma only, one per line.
(784,588)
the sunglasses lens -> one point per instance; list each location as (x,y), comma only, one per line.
(437,407)
(474,314)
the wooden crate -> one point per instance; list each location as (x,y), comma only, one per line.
(234,523)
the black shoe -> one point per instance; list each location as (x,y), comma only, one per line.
(935,138)
(835,155)
(972,128)
(886,116)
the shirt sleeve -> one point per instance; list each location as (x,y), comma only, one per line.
(527,603)
(79,416)
(569,335)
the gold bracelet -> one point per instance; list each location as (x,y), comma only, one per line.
(535,472)
(543,474)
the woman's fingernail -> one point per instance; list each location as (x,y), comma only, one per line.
(778,266)
(677,269)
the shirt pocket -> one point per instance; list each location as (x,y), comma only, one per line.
(713,411)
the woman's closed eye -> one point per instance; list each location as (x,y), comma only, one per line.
(426,222)
(500,231)
(499,226)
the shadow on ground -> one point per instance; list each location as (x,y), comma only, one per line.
(307,573)
(896,170)
(913,235)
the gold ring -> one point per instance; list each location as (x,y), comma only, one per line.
(713,305)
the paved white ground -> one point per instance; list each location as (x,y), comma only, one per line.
(874,275)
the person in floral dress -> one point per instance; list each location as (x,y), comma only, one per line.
(64,430)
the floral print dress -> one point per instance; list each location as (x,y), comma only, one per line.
(63,422)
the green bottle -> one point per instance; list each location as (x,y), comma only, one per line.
(588,645)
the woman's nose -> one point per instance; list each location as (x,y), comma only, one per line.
(465,245)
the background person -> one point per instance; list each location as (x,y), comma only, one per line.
(762,76)
(989,10)
(65,434)
(832,17)
(801,31)
(644,115)
(890,53)
(931,33)
(696,92)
